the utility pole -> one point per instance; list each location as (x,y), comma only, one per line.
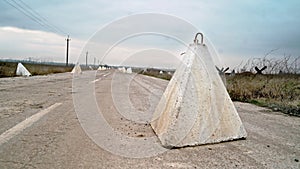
(94,61)
(86,58)
(67,53)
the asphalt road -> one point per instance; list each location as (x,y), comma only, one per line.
(99,120)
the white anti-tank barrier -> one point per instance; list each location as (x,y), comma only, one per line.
(196,108)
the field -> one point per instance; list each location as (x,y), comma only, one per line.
(278,92)
(167,75)
(8,69)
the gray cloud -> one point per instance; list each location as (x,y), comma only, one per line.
(239,29)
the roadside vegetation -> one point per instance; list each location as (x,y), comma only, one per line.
(8,69)
(269,82)
(162,74)
(278,92)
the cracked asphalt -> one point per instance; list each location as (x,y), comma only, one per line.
(58,140)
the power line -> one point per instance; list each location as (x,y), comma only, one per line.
(43,19)
(28,9)
(34,16)
(26,14)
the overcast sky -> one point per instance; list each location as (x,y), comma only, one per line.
(238,29)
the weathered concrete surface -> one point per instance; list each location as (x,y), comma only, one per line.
(122,69)
(22,71)
(129,70)
(101,68)
(58,140)
(196,108)
(76,69)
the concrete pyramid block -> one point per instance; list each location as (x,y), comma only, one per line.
(122,69)
(101,68)
(76,69)
(129,70)
(22,71)
(195,108)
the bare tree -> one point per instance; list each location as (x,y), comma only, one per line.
(271,65)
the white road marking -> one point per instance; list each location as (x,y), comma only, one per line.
(10,133)
(94,81)
(106,74)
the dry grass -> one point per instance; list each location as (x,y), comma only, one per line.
(156,73)
(279,92)
(8,69)
(161,76)
(41,69)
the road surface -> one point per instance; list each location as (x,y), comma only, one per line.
(39,127)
